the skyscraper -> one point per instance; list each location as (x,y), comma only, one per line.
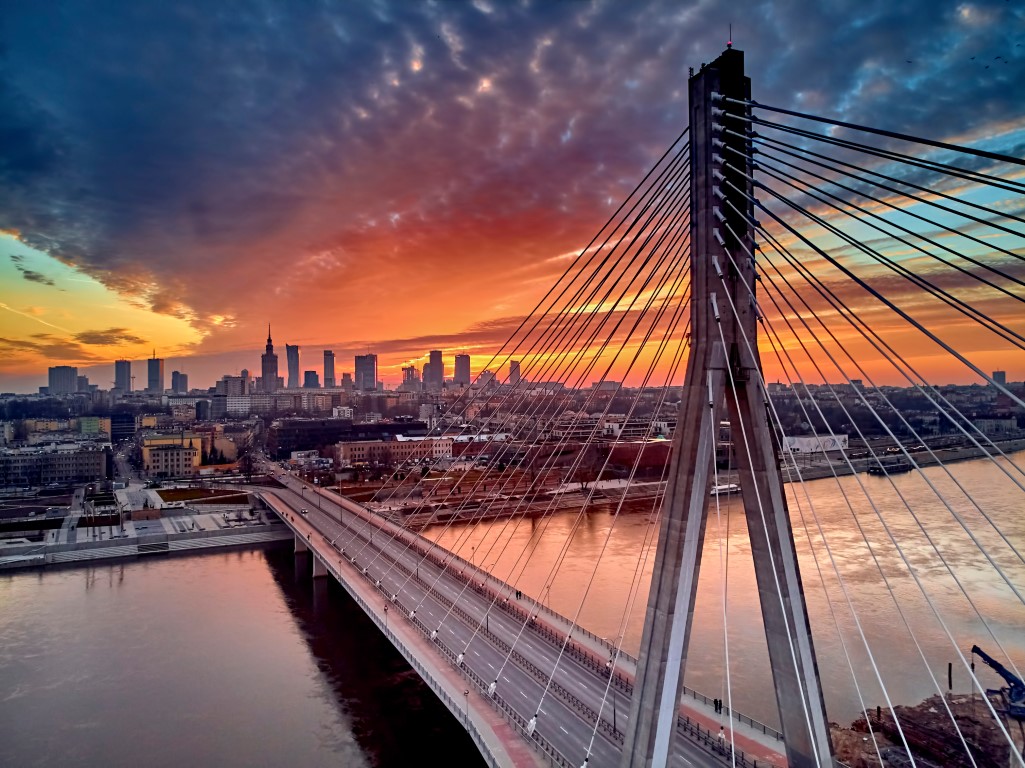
(461,377)
(62,380)
(123,375)
(292,358)
(366,372)
(179,382)
(437,380)
(155,374)
(311,380)
(514,372)
(329,368)
(269,366)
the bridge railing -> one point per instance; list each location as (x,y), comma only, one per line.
(460,712)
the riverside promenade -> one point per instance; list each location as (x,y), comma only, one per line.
(184,531)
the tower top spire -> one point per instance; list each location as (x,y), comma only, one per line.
(268,333)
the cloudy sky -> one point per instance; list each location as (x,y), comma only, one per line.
(392,176)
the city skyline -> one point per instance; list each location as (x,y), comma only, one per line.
(369,223)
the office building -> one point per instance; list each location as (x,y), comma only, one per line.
(329,369)
(292,358)
(514,372)
(461,376)
(269,367)
(1000,377)
(123,375)
(179,382)
(82,384)
(63,380)
(366,372)
(155,374)
(122,426)
(311,380)
(437,372)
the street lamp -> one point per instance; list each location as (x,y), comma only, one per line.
(466,704)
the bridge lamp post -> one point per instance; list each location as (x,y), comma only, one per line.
(466,705)
(386,616)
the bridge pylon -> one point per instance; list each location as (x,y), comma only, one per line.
(723,371)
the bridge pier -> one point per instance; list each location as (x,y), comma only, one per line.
(319,569)
(300,544)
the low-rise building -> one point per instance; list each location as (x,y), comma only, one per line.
(59,463)
(392,451)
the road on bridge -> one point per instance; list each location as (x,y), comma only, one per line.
(477,624)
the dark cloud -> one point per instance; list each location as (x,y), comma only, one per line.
(198,156)
(36,277)
(55,348)
(108,337)
(29,274)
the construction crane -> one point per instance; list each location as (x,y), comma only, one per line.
(1015,690)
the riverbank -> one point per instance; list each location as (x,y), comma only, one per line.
(187,532)
(933,738)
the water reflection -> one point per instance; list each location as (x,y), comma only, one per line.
(229,659)
(596,572)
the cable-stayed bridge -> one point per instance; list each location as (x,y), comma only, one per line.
(775,273)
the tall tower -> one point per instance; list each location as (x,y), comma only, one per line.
(269,366)
(366,372)
(437,380)
(292,359)
(179,382)
(724,369)
(461,376)
(329,368)
(514,372)
(155,374)
(123,375)
(62,380)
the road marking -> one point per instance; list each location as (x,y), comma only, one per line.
(563,730)
(523,694)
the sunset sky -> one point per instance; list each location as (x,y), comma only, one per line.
(396,176)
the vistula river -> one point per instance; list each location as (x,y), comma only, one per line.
(227,659)
(595,576)
(239,658)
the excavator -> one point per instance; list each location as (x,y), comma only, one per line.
(1015,691)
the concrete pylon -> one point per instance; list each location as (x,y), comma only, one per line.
(723,369)
(319,568)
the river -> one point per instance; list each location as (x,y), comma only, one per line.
(609,557)
(230,659)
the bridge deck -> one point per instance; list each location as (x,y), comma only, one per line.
(471,612)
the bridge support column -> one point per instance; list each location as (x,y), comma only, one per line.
(319,569)
(723,370)
(300,544)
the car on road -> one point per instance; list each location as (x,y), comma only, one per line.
(303,511)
